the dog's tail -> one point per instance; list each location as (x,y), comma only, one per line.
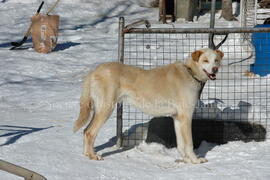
(85,105)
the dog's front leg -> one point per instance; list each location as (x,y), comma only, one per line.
(182,124)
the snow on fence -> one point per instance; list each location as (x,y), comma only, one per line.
(236,95)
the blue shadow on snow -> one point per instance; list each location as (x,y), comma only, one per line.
(66,45)
(16,132)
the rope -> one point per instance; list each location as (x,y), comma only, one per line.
(52,8)
(249,57)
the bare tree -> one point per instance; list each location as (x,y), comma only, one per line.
(227,12)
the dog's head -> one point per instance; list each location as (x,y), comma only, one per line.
(207,62)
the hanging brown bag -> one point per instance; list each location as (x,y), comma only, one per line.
(44,30)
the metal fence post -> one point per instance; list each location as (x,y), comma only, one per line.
(212,23)
(210,42)
(119,126)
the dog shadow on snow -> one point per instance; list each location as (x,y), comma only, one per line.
(129,142)
(211,126)
(14,133)
(111,143)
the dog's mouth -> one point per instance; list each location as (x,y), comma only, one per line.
(211,76)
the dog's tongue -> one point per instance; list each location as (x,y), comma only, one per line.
(212,76)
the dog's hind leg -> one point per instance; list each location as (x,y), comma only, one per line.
(99,118)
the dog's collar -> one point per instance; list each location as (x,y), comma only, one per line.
(192,75)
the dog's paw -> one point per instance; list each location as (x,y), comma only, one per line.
(184,160)
(203,160)
(187,160)
(94,157)
(193,161)
(199,160)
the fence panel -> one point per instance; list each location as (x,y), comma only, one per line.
(236,95)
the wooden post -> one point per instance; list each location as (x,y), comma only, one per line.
(20,171)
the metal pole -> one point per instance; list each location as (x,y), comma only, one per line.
(119,126)
(138,23)
(218,31)
(212,23)
(210,42)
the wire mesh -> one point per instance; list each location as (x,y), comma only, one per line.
(237,94)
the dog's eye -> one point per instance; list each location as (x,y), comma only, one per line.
(206,61)
(216,60)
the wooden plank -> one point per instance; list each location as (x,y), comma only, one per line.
(20,171)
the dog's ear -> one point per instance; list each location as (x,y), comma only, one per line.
(196,55)
(220,53)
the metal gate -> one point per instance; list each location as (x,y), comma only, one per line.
(237,94)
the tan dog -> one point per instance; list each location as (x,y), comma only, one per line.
(170,90)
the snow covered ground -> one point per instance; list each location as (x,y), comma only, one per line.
(39,101)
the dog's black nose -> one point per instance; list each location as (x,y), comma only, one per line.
(215,70)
